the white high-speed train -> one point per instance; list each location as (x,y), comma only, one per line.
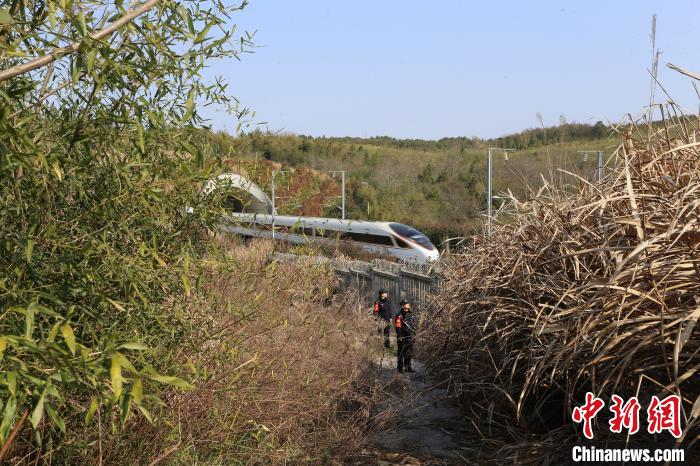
(260,219)
(386,238)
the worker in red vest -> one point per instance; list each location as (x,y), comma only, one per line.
(406,328)
(384,311)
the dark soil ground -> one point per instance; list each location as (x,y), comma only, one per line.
(423,423)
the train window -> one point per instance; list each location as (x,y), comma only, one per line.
(309,232)
(381,239)
(369,238)
(402,244)
(412,234)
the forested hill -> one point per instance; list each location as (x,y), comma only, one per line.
(436,186)
(534,137)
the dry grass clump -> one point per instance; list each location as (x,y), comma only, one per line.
(279,377)
(596,290)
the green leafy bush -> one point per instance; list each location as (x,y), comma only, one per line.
(96,165)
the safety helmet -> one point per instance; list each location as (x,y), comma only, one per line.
(403,301)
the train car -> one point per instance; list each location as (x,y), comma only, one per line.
(386,238)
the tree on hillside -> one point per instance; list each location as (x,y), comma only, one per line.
(96,163)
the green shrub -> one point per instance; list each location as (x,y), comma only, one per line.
(95,169)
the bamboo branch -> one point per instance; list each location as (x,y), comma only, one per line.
(72,48)
(10,439)
(48,94)
(167,453)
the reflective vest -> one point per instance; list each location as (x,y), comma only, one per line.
(382,308)
(404,325)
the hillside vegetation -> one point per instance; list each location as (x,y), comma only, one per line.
(437,186)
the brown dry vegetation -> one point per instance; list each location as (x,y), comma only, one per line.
(599,291)
(280,371)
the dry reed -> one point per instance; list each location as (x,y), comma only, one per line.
(592,288)
(279,372)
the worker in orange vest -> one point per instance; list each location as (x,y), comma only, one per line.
(384,311)
(406,328)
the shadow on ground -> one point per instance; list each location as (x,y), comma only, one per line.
(425,426)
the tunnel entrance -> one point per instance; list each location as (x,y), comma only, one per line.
(236,194)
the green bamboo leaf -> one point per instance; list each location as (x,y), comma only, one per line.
(146,413)
(83,25)
(190,23)
(55,417)
(69,337)
(133,346)
(56,168)
(189,106)
(94,404)
(38,308)
(125,363)
(171,380)
(124,408)
(12,382)
(91,58)
(141,138)
(117,305)
(3,346)
(137,391)
(53,332)
(5,16)
(38,411)
(186,284)
(115,372)
(8,417)
(29,250)
(220,42)
(52,14)
(203,34)
(29,323)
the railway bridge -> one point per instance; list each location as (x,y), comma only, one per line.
(411,281)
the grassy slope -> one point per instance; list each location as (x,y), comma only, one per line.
(260,346)
(268,386)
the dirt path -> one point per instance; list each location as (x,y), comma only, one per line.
(427,427)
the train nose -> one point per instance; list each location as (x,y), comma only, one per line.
(433,255)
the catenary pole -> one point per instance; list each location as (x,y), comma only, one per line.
(488,192)
(274,172)
(343,187)
(489,188)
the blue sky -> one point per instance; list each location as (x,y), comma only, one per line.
(429,69)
